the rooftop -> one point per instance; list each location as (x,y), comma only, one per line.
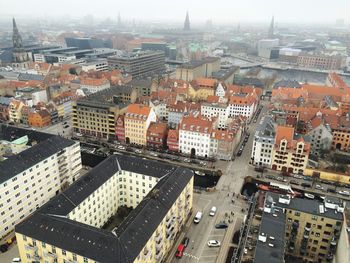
(45,146)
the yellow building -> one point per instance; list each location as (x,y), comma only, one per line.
(96,115)
(201,88)
(15,112)
(137,119)
(291,152)
(72,227)
(328,175)
(312,228)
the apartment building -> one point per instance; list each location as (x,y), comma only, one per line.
(311,229)
(34,174)
(72,226)
(40,118)
(64,104)
(341,133)
(95,115)
(139,64)
(137,120)
(15,112)
(242,105)
(90,85)
(195,135)
(321,61)
(4,108)
(218,109)
(173,140)
(264,141)
(291,151)
(320,134)
(157,135)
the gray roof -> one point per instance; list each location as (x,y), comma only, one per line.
(141,82)
(250,82)
(46,145)
(27,76)
(104,98)
(266,128)
(287,84)
(48,225)
(5,101)
(271,226)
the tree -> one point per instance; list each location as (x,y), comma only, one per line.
(73,71)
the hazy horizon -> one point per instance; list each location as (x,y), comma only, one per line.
(219,11)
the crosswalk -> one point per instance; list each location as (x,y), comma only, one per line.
(191,256)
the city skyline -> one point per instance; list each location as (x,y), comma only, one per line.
(221,12)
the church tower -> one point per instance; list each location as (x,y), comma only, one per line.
(187,23)
(20,58)
(271,34)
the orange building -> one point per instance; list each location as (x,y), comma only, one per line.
(41,118)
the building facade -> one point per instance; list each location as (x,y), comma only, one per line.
(291,151)
(157,135)
(33,176)
(137,120)
(160,195)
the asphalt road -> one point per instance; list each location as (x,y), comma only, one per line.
(10,254)
(58,128)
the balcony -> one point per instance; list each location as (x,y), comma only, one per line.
(307,228)
(50,255)
(334,242)
(159,255)
(30,247)
(158,239)
(159,245)
(147,254)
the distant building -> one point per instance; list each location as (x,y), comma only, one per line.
(84,42)
(187,26)
(198,68)
(267,48)
(20,58)
(4,108)
(40,118)
(139,64)
(321,61)
(90,85)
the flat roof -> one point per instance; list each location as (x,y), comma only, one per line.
(49,223)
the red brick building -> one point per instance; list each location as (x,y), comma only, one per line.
(173,140)
(157,135)
(120,129)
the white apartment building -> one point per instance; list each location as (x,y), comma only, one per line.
(32,177)
(195,135)
(68,228)
(218,110)
(160,108)
(242,105)
(264,140)
(94,85)
(95,65)
(220,91)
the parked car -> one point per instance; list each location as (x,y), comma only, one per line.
(294,182)
(153,154)
(281,179)
(16,260)
(185,241)
(319,187)
(269,176)
(307,178)
(330,190)
(186,160)
(121,147)
(305,185)
(214,243)
(297,176)
(4,248)
(180,251)
(66,126)
(138,151)
(221,226)
(343,192)
(239,153)
(203,163)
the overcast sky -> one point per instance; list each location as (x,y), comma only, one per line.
(326,11)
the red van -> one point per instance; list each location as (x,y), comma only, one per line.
(180,251)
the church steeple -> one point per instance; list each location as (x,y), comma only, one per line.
(20,58)
(187,23)
(271,34)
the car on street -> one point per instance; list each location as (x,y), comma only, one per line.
(16,260)
(185,241)
(65,123)
(153,154)
(319,187)
(305,185)
(214,243)
(307,178)
(239,153)
(203,163)
(199,173)
(344,192)
(269,176)
(297,176)
(186,160)
(221,226)
(294,182)
(66,126)
(138,151)
(180,251)
(330,190)
(281,179)
(121,147)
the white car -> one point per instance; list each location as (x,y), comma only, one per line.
(319,187)
(343,192)
(186,160)
(153,154)
(121,147)
(213,243)
(138,151)
(16,260)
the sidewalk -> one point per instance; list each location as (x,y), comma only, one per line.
(226,243)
